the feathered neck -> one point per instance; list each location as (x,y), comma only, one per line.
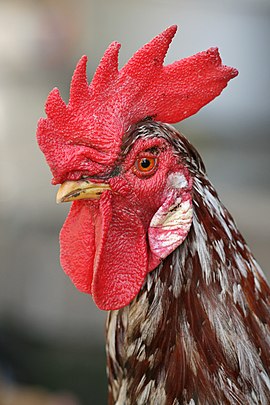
(198,332)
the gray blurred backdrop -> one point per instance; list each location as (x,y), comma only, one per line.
(50,334)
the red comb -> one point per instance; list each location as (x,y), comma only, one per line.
(86,134)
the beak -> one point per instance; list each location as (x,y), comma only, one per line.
(80,190)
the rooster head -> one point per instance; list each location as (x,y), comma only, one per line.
(125,171)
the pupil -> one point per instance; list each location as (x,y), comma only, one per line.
(145,163)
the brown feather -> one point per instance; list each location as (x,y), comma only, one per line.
(199,330)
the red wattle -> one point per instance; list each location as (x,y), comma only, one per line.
(77,244)
(99,243)
(119,270)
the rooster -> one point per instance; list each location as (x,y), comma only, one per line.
(148,237)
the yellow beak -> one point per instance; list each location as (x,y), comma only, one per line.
(80,190)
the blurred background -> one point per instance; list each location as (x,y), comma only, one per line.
(52,336)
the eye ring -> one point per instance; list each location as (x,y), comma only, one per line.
(145,166)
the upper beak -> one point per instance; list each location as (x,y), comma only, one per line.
(79,190)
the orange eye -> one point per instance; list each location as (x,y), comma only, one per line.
(146,165)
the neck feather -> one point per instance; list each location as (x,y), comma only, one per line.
(199,328)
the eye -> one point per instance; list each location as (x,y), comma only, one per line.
(145,166)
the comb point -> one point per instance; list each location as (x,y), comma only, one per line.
(55,105)
(79,88)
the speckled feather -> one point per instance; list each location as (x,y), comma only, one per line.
(199,330)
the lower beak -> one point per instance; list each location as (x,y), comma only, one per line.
(80,190)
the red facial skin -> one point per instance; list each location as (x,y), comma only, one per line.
(104,245)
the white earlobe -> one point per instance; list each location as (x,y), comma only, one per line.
(171,223)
